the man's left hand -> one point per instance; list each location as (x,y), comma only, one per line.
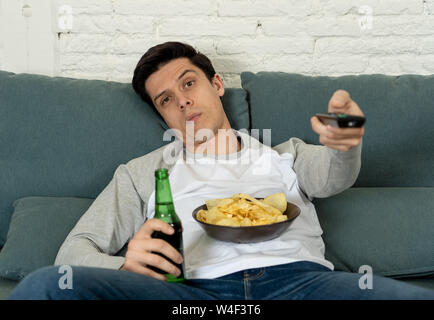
(342,139)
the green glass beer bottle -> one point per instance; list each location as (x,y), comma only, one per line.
(165,210)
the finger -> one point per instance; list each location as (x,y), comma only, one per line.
(342,133)
(152,225)
(325,136)
(354,109)
(339,100)
(317,126)
(160,262)
(156,245)
(350,108)
(139,268)
(155,260)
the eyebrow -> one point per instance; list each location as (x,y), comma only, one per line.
(180,76)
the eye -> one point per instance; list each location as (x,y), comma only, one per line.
(189,83)
(164,100)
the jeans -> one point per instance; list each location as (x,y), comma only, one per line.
(298,280)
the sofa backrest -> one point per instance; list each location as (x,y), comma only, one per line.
(398,145)
(65,137)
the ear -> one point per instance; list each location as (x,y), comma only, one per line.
(217,83)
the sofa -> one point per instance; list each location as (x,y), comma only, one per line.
(61,140)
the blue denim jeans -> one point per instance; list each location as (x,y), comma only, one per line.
(299,280)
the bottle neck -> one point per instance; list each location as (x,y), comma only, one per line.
(164,208)
(163,194)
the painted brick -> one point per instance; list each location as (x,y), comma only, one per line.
(166,7)
(287,63)
(336,65)
(93,24)
(312,26)
(265,45)
(403,25)
(235,63)
(383,7)
(87,6)
(316,37)
(264,8)
(134,24)
(221,27)
(372,45)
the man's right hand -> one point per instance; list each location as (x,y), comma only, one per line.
(141,247)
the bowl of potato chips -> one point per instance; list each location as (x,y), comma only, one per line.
(245,219)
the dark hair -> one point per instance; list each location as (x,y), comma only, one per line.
(161,54)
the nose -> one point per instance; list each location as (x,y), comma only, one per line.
(184,102)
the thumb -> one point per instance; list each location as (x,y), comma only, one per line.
(339,103)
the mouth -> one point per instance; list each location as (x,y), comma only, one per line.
(193,117)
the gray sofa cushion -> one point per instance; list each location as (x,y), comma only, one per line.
(65,137)
(398,147)
(6,287)
(424,282)
(393,246)
(386,228)
(38,228)
(389,229)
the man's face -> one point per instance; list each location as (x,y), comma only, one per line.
(181,92)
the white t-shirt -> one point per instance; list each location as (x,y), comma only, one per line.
(258,171)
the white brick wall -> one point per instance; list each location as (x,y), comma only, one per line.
(1,37)
(314,37)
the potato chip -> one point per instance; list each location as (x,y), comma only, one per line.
(202,215)
(228,222)
(246,222)
(217,202)
(264,205)
(244,210)
(214,215)
(277,201)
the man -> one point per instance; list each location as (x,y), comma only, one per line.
(212,161)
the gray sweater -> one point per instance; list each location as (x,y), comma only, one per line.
(120,209)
